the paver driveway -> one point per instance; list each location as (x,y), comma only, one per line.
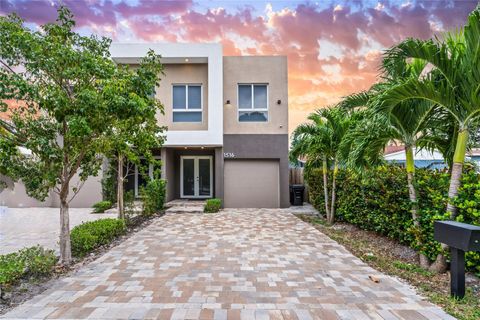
(245,263)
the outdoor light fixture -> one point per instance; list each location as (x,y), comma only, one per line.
(186,59)
(279,101)
(228,104)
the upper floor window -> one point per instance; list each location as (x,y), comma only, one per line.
(187,103)
(252,103)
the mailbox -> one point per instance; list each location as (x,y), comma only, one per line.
(465,237)
(460,237)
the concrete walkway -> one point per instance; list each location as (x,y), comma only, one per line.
(238,264)
(26,227)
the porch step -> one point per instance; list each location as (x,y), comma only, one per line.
(184,206)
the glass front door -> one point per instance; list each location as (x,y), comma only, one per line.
(196,180)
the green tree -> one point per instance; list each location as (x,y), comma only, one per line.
(453,84)
(407,123)
(130,139)
(320,141)
(67,85)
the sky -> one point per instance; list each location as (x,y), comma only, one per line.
(333,47)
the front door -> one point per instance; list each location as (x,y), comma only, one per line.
(196,177)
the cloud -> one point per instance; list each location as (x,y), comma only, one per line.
(333,50)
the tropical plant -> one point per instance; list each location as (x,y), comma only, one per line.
(407,123)
(320,142)
(453,84)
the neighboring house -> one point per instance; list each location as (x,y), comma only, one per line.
(423,158)
(227,120)
(227,137)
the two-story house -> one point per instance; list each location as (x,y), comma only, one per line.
(227,137)
(227,120)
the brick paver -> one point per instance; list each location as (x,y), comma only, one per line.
(238,264)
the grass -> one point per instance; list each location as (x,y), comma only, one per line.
(434,287)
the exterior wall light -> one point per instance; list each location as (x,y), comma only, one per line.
(279,101)
(228,104)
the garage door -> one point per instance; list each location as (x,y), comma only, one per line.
(251,184)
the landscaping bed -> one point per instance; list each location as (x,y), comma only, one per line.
(393,258)
(29,284)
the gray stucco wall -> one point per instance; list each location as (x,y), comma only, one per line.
(261,146)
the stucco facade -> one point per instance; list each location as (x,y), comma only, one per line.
(237,150)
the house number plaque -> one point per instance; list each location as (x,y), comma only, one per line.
(229,155)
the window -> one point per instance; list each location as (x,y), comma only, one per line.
(252,103)
(187,103)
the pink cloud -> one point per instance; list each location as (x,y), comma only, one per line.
(357,37)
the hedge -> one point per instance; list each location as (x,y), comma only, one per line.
(379,202)
(34,262)
(91,235)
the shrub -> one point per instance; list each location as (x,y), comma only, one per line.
(153,196)
(212,205)
(33,262)
(109,183)
(101,206)
(91,235)
(379,202)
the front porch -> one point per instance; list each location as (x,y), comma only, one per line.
(184,206)
(193,172)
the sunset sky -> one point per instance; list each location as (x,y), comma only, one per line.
(333,47)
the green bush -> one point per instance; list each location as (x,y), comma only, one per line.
(101,206)
(109,183)
(91,235)
(33,262)
(212,205)
(379,202)
(153,196)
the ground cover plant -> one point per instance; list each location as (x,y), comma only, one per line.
(29,263)
(101,206)
(212,205)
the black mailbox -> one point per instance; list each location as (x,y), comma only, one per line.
(460,237)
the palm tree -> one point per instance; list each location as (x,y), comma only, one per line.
(309,140)
(453,84)
(320,141)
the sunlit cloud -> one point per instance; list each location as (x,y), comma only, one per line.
(333,48)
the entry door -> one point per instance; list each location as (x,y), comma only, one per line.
(196,177)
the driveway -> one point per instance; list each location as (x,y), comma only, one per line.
(26,227)
(239,264)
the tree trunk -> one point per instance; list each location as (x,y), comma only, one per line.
(412,192)
(65,245)
(440,264)
(334,194)
(120,203)
(325,187)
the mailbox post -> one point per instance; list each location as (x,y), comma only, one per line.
(460,237)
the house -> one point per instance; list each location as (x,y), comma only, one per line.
(227,137)
(227,119)
(423,158)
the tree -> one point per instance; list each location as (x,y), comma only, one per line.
(321,140)
(67,84)
(132,138)
(408,123)
(452,84)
